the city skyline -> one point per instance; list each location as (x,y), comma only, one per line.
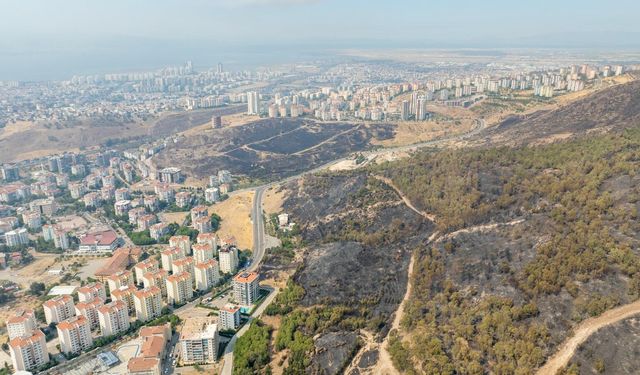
(53,40)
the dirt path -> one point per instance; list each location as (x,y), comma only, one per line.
(582,333)
(406,200)
(479,228)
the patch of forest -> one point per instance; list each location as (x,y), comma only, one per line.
(500,301)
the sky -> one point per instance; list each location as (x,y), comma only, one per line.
(54,38)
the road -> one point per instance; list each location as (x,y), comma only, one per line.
(258,229)
(258,223)
(227,367)
(582,332)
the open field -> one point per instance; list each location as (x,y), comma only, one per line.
(236,221)
(173,217)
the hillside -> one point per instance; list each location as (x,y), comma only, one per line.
(500,300)
(616,107)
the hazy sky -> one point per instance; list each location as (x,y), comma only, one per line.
(87,35)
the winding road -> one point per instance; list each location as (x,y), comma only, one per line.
(259,237)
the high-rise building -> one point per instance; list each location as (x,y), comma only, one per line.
(405,110)
(10,173)
(167,257)
(202,252)
(16,237)
(199,341)
(228,259)
(125,294)
(119,280)
(74,335)
(29,352)
(58,309)
(421,111)
(216,122)
(22,323)
(156,278)
(253,103)
(184,242)
(179,288)
(91,291)
(183,265)
(113,318)
(141,268)
(246,289)
(219,69)
(207,274)
(89,310)
(148,303)
(229,317)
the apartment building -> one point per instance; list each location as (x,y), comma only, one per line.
(28,352)
(75,335)
(141,268)
(148,303)
(156,278)
(183,265)
(182,242)
(119,279)
(199,341)
(202,252)
(179,288)
(228,259)
(92,291)
(168,256)
(207,274)
(229,318)
(125,294)
(89,310)
(246,289)
(58,309)
(22,323)
(209,238)
(113,318)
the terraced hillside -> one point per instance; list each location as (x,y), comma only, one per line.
(271,149)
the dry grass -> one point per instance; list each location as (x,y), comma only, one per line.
(272,200)
(173,217)
(236,218)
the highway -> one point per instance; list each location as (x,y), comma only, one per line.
(258,229)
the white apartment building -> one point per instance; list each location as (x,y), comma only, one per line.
(156,278)
(89,310)
(209,238)
(179,288)
(246,289)
(92,291)
(229,317)
(125,294)
(199,341)
(168,256)
(228,259)
(202,252)
(29,352)
(207,274)
(113,318)
(183,265)
(22,323)
(182,242)
(141,268)
(75,335)
(148,303)
(58,309)
(118,280)
(16,237)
